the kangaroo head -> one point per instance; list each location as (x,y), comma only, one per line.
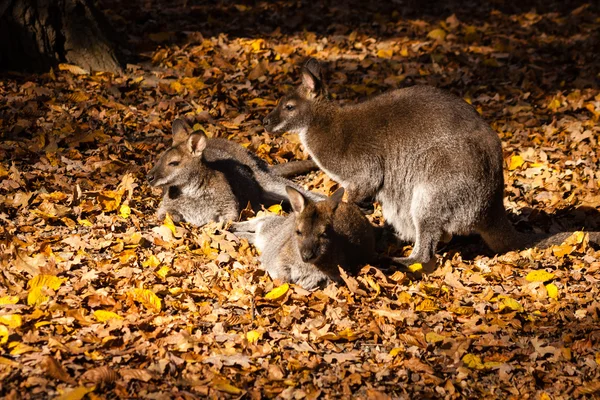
(295,110)
(314,233)
(176,165)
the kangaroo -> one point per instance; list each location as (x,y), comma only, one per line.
(307,246)
(426,155)
(206,180)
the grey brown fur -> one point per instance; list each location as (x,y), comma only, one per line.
(307,246)
(208,180)
(426,155)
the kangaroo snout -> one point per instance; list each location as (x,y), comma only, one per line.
(267,122)
(307,255)
(150,177)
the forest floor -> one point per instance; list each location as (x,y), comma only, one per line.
(99,299)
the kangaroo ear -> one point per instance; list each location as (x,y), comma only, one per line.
(197,143)
(297,199)
(336,197)
(181,131)
(311,77)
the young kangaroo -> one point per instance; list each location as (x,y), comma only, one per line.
(307,246)
(208,180)
(426,155)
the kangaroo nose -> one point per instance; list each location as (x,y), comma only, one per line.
(307,255)
(266,121)
(150,178)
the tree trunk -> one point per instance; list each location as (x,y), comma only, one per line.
(38,34)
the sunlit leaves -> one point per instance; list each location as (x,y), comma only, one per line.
(38,285)
(539,276)
(516,161)
(277,292)
(148,298)
(11,320)
(103,316)
(76,394)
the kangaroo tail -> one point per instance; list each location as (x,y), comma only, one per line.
(293,168)
(544,241)
(501,237)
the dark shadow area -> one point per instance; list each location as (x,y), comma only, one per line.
(530,220)
(533,30)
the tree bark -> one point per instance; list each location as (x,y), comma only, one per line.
(38,34)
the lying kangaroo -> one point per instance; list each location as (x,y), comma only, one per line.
(208,180)
(307,246)
(426,155)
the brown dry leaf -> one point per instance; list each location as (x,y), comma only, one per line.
(55,369)
(138,374)
(98,375)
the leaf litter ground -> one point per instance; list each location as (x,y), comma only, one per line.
(99,299)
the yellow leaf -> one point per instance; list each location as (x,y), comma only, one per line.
(124,211)
(42,323)
(385,53)
(110,200)
(227,388)
(395,351)
(427,305)
(76,394)
(562,250)
(3,334)
(103,316)
(515,162)
(19,348)
(151,262)
(576,238)
(7,361)
(509,302)
(50,281)
(463,310)
(168,222)
(257,44)
(348,334)
(554,104)
(163,272)
(36,297)
(9,300)
(492,364)
(74,69)
(178,87)
(433,337)
(277,292)
(598,358)
(472,361)
(84,222)
(437,34)
(275,209)
(253,336)
(545,396)
(539,276)
(374,285)
(148,298)
(415,267)
(11,320)
(552,291)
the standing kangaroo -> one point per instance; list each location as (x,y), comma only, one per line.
(307,246)
(426,155)
(208,180)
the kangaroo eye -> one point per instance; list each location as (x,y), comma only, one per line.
(323,234)
(289,107)
(298,232)
(174,163)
